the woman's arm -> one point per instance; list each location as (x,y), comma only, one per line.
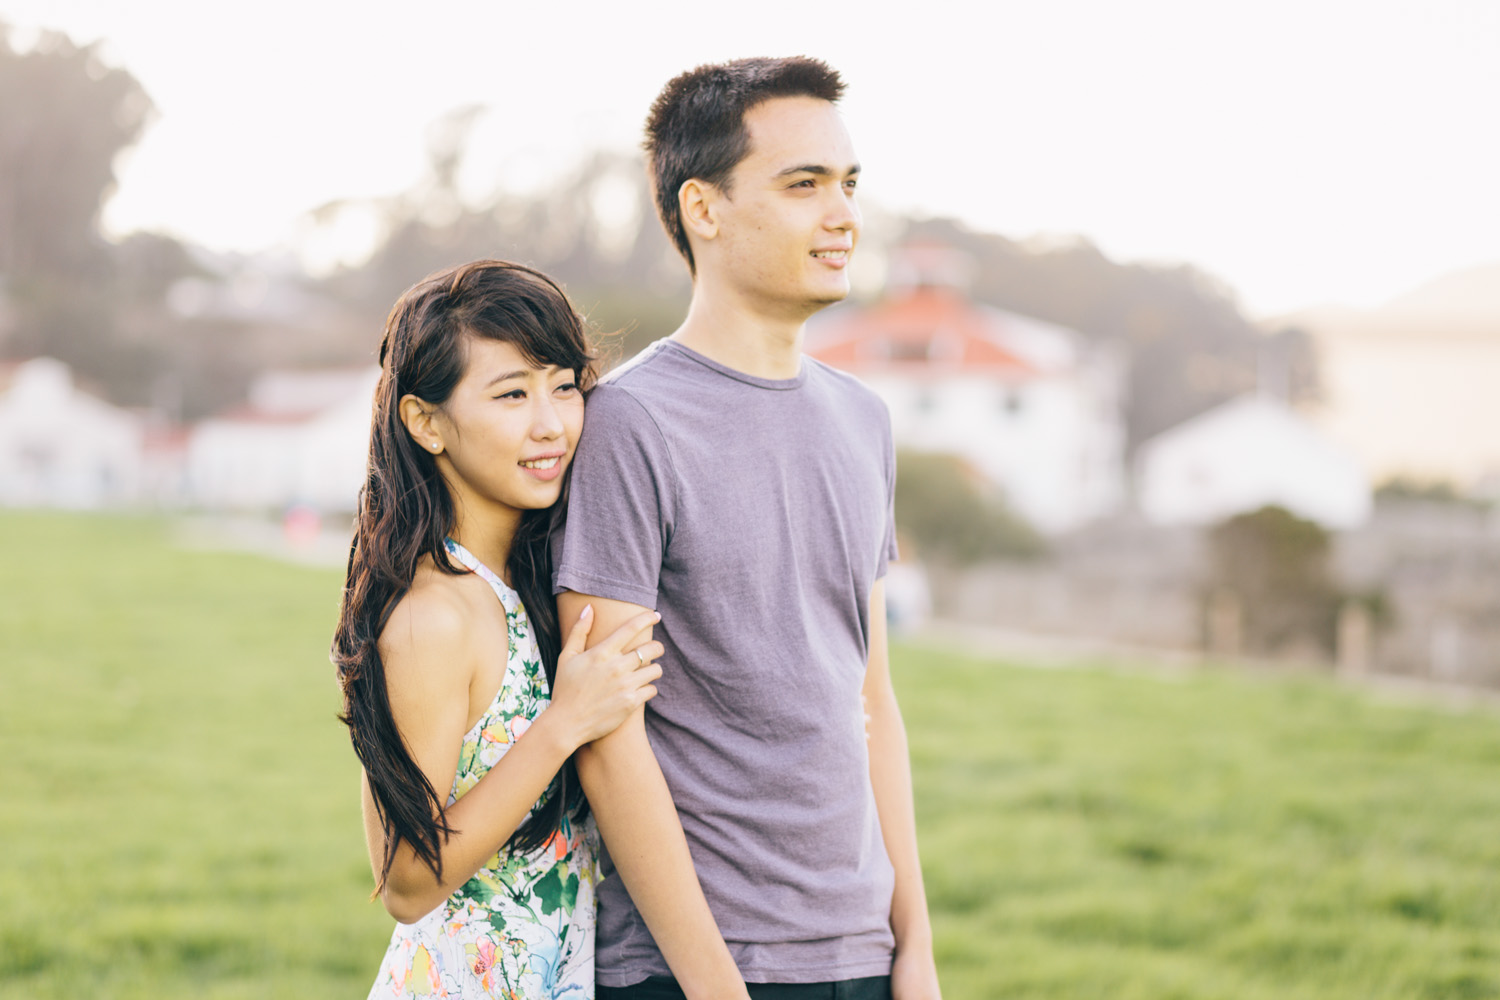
(431,652)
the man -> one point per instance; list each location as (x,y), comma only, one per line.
(745,492)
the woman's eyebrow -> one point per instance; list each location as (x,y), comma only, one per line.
(508,375)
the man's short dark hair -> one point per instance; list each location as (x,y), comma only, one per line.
(696,128)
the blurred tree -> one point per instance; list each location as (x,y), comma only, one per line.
(1289,366)
(1275,567)
(109,310)
(145,266)
(103,308)
(950,515)
(64,118)
(593,229)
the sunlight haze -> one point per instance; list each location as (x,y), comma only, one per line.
(1304,153)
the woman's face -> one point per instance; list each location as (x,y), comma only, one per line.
(508,430)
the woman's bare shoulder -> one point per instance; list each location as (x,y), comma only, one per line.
(432,628)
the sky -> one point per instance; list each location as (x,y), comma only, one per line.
(1305,153)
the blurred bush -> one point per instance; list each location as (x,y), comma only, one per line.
(953,517)
(1275,567)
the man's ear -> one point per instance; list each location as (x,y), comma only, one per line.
(416,415)
(697,202)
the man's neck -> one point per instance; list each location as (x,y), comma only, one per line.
(726,331)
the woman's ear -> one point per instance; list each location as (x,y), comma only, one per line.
(416,415)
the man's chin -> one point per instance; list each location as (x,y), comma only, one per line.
(829,296)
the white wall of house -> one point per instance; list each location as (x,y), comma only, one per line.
(61,447)
(1419,404)
(335,446)
(261,461)
(243,464)
(1242,456)
(1032,406)
(1050,442)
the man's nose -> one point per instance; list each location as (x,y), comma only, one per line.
(844,213)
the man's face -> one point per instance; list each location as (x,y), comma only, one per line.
(789,223)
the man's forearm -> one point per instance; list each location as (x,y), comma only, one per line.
(639,824)
(890,775)
(914,972)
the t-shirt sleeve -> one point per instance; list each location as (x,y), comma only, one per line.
(619,517)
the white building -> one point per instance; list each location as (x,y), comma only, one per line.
(1410,387)
(301,441)
(1415,407)
(1244,455)
(61,446)
(1029,405)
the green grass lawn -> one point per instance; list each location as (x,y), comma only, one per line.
(1134,835)
(181,809)
(179,814)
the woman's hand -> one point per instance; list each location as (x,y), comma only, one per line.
(597,690)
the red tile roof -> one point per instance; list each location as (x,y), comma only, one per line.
(922,328)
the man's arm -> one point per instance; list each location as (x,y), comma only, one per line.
(914,973)
(639,824)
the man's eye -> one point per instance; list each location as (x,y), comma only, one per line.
(851,184)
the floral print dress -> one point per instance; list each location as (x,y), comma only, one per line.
(523,926)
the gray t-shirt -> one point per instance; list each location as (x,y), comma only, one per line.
(755,514)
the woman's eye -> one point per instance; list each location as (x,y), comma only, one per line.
(568,387)
(513,394)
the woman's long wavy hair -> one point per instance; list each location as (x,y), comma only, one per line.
(406,512)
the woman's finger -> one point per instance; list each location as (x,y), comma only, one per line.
(632,631)
(578,635)
(646,652)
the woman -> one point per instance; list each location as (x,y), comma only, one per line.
(479,840)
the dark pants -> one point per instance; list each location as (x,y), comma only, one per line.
(665,988)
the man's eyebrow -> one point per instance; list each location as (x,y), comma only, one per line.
(818,169)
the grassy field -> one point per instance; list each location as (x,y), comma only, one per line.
(179,814)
